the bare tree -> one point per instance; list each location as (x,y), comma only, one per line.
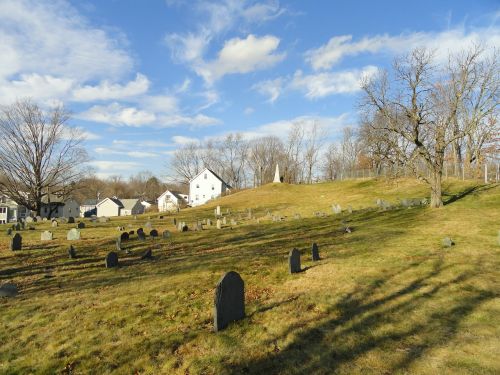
(313,142)
(263,155)
(233,152)
(39,154)
(420,104)
(187,162)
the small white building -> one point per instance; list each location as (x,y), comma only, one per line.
(205,186)
(171,200)
(10,211)
(119,207)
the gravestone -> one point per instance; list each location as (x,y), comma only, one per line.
(233,222)
(103,219)
(165,234)
(16,242)
(153,233)
(131,233)
(148,254)
(224,221)
(198,226)
(179,226)
(17,227)
(141,236)
(8,290)
(294,261)
(175,221)
(209,222)
(229,300)
(118,243)
(161,217)
(217,211)
(71,220)
(23,224)
(29,219)
(315,252)
(336,209)
(111,260)
(46,236)
(185,228)
(38,219)
(447,242)
(148,225)
(44,219)
(140,230)
(349,209)
(9,232)
(297,216)
(124,236)
(73,234)
(63,220)
(219,224)
(71,252)
(54,224)
(81,225)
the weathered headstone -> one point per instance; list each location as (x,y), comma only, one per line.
(209,222)
(16,242)
(124,236)
(336,209)
(29,219)
(447,242)
(63,220)
(81,225)
(148,254)
(233,222)
(219,224)
(140,230)
(8,290)
(224,221)
(217,211)
(141,236)
(103,219)
(185,228)
(294,261)
(175,221)
(71,252)
(165,234)
(71,220)
(46,236)
(44,219)
(17,227)
(118,243)
(229,300)
(54,224)
(153,233)
(349,209)
(9,232)
(297,216)
(315,252)
(111,260)
(73,234)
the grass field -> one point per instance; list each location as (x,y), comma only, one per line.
(386,298)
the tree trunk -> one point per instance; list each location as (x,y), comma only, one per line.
(436,189)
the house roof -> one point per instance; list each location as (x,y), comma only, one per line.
(215,174)
(128,204)
(55,199)
(175,193)
(89,202)
(114,200)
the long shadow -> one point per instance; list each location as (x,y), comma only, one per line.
(466,192)
(334,344)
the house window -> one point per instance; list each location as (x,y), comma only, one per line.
(205,176)
(213,187)
(3,210)
(197,186)
(196,198)
(203,195)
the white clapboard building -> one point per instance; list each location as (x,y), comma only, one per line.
(205,186)
(171,200)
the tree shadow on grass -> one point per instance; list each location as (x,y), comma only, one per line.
(393,326)
(464,193)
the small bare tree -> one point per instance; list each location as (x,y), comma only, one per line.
(39,154)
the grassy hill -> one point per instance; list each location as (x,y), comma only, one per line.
(386,298)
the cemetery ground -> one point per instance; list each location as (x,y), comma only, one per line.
(386,298)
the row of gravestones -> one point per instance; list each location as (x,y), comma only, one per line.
(16,242)
(229,301)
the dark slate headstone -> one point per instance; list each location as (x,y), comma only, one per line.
(140,230)
(148,254)
(8,290)
(16,242)
(185,228)
(229,300)
(294,261)
(71,252)
(161,217)
(315,252)
(141,235)
(71,220)
(153,233)
(131,233)
(9,232)
(124,236)
(81,225)
(18,227)
(175,221)
(111,260)
(166,234)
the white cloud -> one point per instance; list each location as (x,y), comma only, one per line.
(443,43)
(270,88)
(132,154)
(117,115)
(106,90)
(248,111)
(51,38)
(140,143)
(111,166)
(160,103)
(329,83)
(242,56)
(198,121)
(44,88)
(182,140)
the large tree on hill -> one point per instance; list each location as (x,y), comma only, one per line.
(428,107)
(39,154)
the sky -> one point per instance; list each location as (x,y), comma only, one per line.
(142,78)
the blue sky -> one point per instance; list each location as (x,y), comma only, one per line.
(144,77)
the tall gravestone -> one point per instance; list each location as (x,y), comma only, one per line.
(124,236)
(166,234)
(229,300)
(16,242)
(73,234)
(224,220)
(140,230)
(111,260)
(141,236)
(153,233)
(81,225)
(54,224)
(315,252)
(294,261)
(217,211)
(219,224)
(119,243)
(46,236)
(71,252)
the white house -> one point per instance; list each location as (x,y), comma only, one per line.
(205,186)
(170,200)
(10,211)
(119,207)
(88,207)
